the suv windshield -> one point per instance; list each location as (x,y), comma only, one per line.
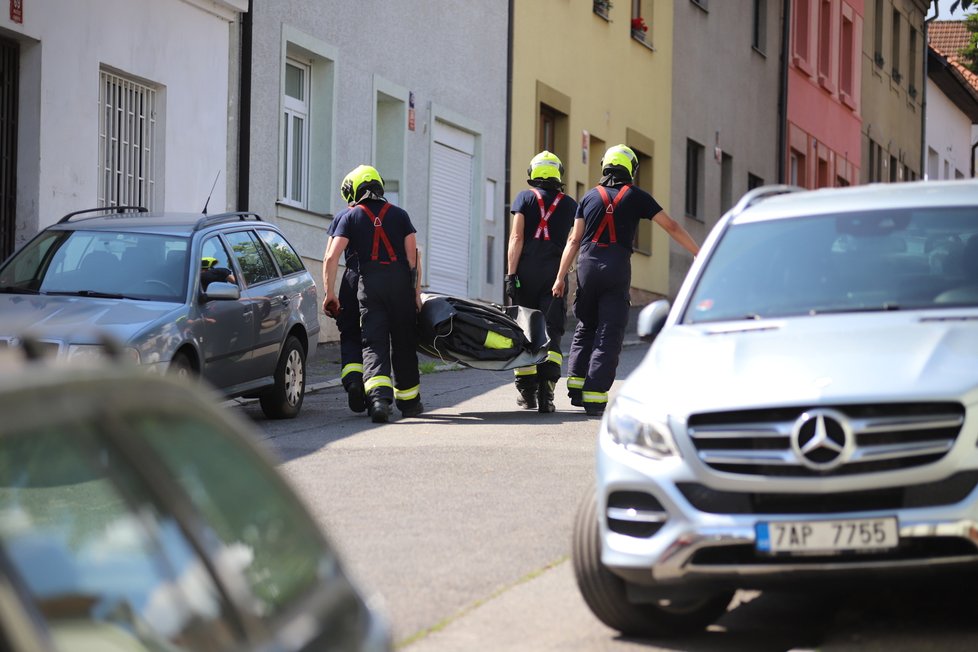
(100,263)
(850,262)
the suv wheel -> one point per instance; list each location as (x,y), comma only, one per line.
(181,366)
(284,399)
(606,594)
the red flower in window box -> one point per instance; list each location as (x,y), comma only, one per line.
(638,25)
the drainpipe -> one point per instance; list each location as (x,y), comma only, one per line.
(244,109)
(973,147)
(509,134)
(923,95)
(783,90)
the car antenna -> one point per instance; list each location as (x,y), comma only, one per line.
(214,185)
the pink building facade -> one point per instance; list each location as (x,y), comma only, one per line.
(823,103)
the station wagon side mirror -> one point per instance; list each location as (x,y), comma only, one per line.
(652,319)
(224,291)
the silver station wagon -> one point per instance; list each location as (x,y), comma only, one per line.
(808,409)
(224,297)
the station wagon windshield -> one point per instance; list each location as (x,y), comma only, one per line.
(142,266)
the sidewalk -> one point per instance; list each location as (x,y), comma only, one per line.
(323,371)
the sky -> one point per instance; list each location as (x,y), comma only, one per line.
(944,11)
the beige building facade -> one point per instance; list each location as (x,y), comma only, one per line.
(893,87)
(584,80)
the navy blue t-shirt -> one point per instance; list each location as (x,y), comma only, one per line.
(537,248)
(358,227)
(634,206)
(350,255)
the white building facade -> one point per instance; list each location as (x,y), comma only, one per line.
(952,112)
(417,89)
(113,102)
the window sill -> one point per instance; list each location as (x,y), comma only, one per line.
(301,215)
(759,51)
(640,38)
(602,13)
(848,100)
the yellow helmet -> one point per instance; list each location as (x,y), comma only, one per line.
(545,165)
(207,262)
(357,178)
(620,155)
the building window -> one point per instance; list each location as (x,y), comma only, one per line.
(726,182)
(642,20)
(759,26)
(912,67)
(797,169)
(847,70)
(802,44)
(895,48)
(894,169)
(548,128)
(643,179)
(878,33)
(694,178)
(127,142)
(295,136)
(824,40)
(754,181)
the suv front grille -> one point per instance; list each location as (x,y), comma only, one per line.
(932,494)
(886,437)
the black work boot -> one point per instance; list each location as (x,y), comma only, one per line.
(527,388)
(545,396)
(356,397)
(576,397)
(379,410)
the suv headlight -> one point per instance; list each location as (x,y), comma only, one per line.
(630,427)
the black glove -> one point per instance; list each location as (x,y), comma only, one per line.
(512,285)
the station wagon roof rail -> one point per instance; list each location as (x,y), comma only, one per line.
(103,209)
(225,217)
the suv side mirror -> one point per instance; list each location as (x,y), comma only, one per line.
(652,319)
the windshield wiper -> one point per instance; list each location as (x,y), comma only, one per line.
(93,293)
(13,289)
(886,307)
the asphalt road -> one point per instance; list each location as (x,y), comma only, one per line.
(459,522)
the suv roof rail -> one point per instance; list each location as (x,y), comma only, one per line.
(102,209)
(756,195)
(207,220)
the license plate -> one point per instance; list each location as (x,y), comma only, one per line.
(827,536)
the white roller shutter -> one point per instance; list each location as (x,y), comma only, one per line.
(451,217)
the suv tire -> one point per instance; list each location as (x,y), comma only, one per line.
(606,594)
(283,400)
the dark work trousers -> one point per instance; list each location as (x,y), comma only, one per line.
(536,292)
(388,322)
(348,323)
(604,275)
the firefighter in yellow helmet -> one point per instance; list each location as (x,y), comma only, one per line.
(542,219)
(389,293)
(348,315)
(603,233)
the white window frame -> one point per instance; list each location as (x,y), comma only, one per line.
(128,148)
(295,109)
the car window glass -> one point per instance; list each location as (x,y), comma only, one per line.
(255,263)
(25,269)
(214,256)
(288,260)
(267,533)
(100,559)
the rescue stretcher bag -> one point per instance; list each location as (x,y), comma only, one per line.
(481,335)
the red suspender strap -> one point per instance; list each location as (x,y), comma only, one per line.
(609,215)
(545,214)
(379,234)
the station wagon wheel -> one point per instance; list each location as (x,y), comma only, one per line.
(181,366)
(607,596)
(284,399)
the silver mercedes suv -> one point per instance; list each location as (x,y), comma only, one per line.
(809,407)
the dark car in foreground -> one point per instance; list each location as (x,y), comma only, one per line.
(808,410)
(136,278)
(138,515)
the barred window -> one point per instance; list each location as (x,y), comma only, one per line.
(127,142)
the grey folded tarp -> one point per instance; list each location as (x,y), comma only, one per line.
(481,335)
